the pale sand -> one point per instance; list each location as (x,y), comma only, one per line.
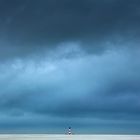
(68,137)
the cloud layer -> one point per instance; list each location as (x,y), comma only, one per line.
(31,26)
(102,88)
(71,63)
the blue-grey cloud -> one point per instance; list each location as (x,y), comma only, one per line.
(56,89)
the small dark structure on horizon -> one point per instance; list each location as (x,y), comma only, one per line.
(69,131)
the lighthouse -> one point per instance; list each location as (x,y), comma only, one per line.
(69,131)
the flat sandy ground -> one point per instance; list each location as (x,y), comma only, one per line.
(68,137)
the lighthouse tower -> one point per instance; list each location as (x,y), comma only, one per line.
(69,131)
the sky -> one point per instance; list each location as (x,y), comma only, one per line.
(70,63)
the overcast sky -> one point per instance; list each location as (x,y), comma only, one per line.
(70,63)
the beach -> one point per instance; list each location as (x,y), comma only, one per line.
(67,137)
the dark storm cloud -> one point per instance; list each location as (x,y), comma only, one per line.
(53,20)
(27,26)
(70,62)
